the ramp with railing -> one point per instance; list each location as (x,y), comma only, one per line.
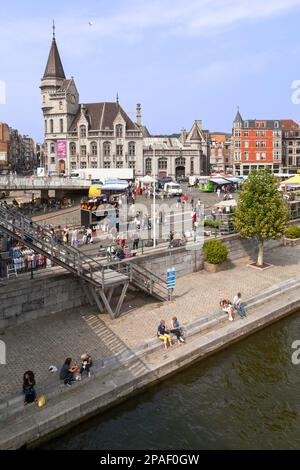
(100,281)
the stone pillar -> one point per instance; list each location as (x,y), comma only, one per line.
(60,193)
(44,194)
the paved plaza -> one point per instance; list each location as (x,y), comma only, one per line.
(40,343)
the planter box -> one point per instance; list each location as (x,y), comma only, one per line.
(215,268)
(291,241)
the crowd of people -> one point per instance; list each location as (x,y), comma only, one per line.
(69,373)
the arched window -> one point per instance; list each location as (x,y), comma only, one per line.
(162,164)
(46,126)
(51,126)
(119,130)
(148,164)
(60,105)
(82,132)
(72,149)
(61,125)
(180,161)
(106,149)
(52,148)
(131,149)
(94,149)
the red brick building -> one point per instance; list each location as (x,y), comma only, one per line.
(256,143)
(4,144)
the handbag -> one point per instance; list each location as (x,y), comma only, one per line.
(41,401)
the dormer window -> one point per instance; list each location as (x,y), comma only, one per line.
(119,130)
(82,132)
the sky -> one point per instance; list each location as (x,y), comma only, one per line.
(182,60)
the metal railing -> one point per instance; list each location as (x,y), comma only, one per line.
(41,240)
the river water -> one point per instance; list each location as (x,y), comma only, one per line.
(245,397)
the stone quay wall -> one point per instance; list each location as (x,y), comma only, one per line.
(53,291)
(48,292)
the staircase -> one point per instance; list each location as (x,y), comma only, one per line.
(98,280)
(149,282)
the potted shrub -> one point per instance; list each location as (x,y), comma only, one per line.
(292,236)
(215,255)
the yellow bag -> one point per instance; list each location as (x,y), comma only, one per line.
(41,401)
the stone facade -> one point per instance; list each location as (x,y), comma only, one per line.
(102,135)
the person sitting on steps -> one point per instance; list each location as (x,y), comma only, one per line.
(177,330)
(163,334)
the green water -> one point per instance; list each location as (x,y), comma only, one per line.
(245,397)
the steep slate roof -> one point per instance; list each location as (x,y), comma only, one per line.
(238,117)
(102,115)
(54,67)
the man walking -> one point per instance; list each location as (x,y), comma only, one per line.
(237,305)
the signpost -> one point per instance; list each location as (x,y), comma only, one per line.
(171,279)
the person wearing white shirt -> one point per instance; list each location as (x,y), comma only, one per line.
(237,305)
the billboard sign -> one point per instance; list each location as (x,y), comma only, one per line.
(40,172)
(61,149)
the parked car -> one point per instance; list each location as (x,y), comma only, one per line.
(182,179)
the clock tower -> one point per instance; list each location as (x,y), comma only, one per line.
(60,104)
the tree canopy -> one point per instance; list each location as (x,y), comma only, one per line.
(261,211)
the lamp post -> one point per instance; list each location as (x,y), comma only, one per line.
(154,200)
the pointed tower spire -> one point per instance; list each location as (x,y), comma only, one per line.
(238,117)
(54,67)
(117,98)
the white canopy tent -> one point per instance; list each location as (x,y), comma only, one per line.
(147,179)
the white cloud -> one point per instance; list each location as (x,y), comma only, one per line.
(134,19)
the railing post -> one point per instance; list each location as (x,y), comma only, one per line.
(22,229)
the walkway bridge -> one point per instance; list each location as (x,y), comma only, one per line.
(100,280)
(31,183)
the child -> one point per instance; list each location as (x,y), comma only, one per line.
(86,364)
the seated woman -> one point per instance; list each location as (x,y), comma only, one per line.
(67,372)
(177,330)
(163,334)
(226,307)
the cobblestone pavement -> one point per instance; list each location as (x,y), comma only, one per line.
(39,343)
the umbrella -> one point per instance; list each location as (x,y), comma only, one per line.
(147,179)
(295,180)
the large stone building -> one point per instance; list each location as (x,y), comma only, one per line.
(291,145)
(102,135)
(90,135)
(176,156)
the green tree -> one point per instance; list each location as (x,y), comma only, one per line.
(260,211)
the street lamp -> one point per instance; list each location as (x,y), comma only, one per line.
(154,199)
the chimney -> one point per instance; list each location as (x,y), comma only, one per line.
(183,135)
(139,114)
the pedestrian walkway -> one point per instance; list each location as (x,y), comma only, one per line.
(40,343)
